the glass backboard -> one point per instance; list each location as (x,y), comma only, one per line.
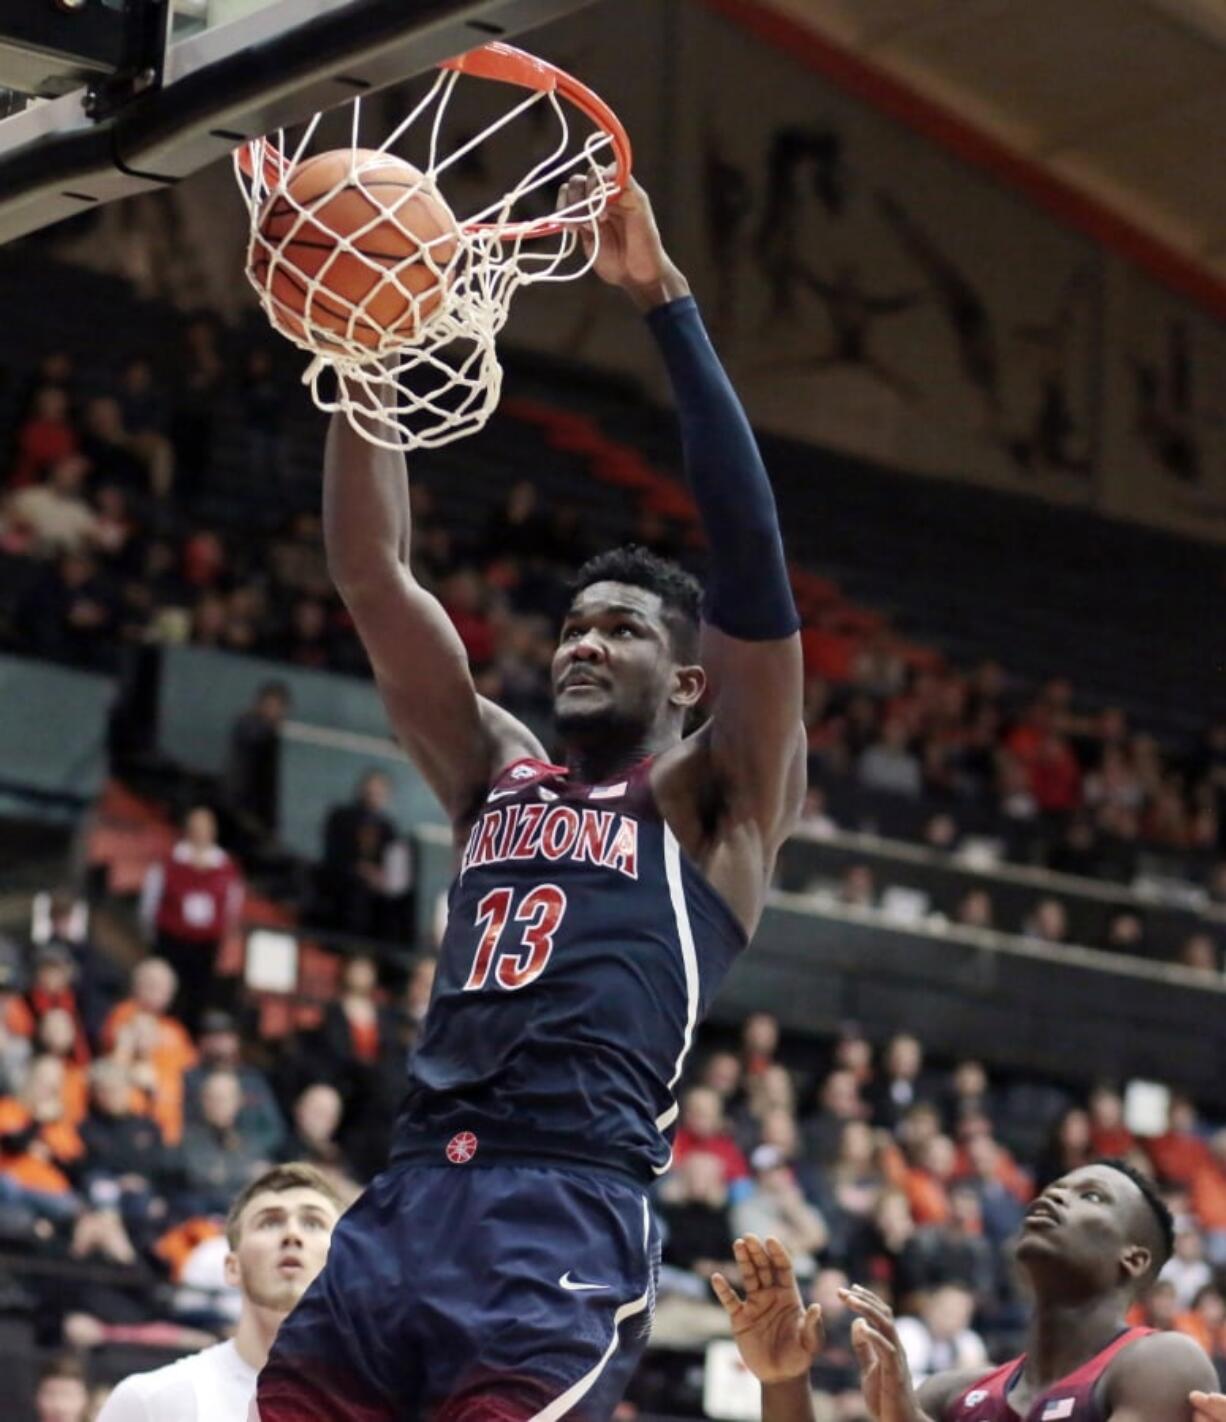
(230,70)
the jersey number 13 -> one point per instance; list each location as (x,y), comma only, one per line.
(540,913)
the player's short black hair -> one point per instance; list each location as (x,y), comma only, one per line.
(680,592)
(1158,1207)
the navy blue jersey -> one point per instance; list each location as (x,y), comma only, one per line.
(582,949)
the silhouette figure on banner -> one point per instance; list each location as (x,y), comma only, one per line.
(1164,418)
(1058,439)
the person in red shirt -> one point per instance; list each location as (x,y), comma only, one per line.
(703,1129)
(189,903)
(45,436)
(1180,1151)
(1108,1133)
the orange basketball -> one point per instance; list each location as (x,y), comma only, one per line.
(390,276)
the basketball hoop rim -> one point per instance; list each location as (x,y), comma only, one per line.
(506,64)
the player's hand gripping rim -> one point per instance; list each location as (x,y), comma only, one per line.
(884,1373)
(778,1337)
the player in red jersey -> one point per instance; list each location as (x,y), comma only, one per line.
(1090,1244)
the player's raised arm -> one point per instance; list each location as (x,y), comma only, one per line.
(778,1338)
(458,740)
(750,642)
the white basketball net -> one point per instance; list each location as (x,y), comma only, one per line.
(438,377)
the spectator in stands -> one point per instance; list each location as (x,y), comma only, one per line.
(941,1337)
(1109,1136)
(704,1129)
(107,445)
(520,528)
(1205,1321)
(365,869)
(1077,851)
(721,1073)
(39,1146)
(196,399)
(62,1395)
(71,614)
(857,887)
(1125,934)
(759,1042)
(217,1163)
(58,1035)
(155,1046)
(1181,1151)
(317,1115)
(769,1090)
(99,982)
(693,1208)
(1208,1197)
(889,765)
(773,1204)
(1187,1270)
(839,1101)
(251,769)
(853,1052)
(45,437)
(1001,1206)
(928,1178)
(900,1083)
(125,1157)
(262,396)
(259,1121)
(1055,776)
(815,822)
(191,901)
(1015,797)
(16,1032)
(1067,1147)
(854,1182)
(1047,921)
(146,418)
(53,989)
(967,1094)
(975,910)
(835,1375)
(54,517)
(1199,951)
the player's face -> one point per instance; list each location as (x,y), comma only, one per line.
(283,1243)
(1085,1223)
(614,666)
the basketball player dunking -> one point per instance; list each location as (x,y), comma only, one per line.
(503,1267)
(1089,1245)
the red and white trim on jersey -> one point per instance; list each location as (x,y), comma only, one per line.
(574,1394)
(689,959)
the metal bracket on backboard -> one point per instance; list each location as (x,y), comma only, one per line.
(143,62)
(265,70)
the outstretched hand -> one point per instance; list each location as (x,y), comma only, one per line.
(885,1377)
(1208,1406)
(778,1338)
(630,252)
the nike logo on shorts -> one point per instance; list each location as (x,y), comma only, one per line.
(574,1287)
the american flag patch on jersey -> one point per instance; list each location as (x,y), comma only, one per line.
(1058,1409)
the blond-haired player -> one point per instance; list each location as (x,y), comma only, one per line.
(278,1230)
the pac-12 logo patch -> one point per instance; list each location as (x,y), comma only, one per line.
(973,1399)
(522,772)
(461,1148)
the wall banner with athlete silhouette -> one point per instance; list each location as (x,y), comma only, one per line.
(872,293)
(868,291)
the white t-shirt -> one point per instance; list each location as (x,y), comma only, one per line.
(212,1386)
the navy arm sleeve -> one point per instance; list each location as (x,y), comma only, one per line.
(748,593)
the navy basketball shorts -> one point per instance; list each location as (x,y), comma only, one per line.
(501,1293)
